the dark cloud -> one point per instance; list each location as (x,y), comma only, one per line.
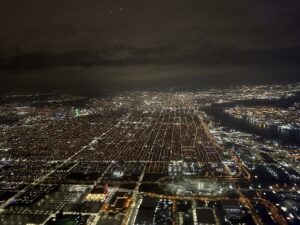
(132,40)
(164,55)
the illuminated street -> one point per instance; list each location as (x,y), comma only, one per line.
(108,163)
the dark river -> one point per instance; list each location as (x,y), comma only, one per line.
(270,132)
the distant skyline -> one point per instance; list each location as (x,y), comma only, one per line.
(98,44)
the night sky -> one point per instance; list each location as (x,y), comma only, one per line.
(159,43)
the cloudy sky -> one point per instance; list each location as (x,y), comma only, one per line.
(64,43)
